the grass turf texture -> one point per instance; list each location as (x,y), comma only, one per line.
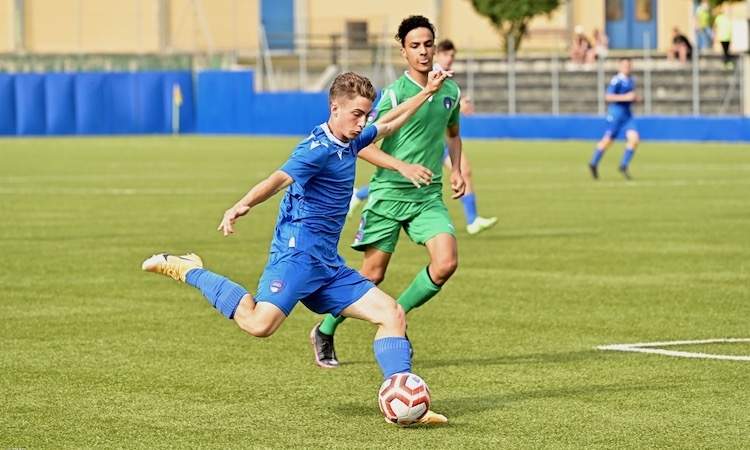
(97,354)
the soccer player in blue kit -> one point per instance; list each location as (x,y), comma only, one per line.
(304,264)
(620,95)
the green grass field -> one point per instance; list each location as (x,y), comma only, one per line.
(97,354)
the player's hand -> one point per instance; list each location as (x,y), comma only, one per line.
(230,217)
(466,107)
(417,174)
(457,184)
(435,80)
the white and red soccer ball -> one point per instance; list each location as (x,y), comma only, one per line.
(404,398)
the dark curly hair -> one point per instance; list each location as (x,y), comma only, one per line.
(411,23)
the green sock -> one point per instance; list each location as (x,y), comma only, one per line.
(419,291)
(329,324)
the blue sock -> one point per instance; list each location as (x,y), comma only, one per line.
(362,192)
(597,157)
(223,293)
(469,202)
(626,157)
(392,354)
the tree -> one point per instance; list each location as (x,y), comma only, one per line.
(512,17)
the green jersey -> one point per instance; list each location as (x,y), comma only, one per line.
(420,141)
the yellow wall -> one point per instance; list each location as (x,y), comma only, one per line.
(231,24)
(132,26)
(6,40)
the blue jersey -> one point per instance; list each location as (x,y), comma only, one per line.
(620,84)
(313,211)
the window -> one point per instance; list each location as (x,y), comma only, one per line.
(643,10)
(615,10)
(356,33)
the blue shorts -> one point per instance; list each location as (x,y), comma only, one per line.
(617,126)
(299,277)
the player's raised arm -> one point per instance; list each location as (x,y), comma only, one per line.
(258,194)
(416,173)
(397,117)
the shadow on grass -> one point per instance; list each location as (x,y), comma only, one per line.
(458,407)
(541,234)
(536,358)
(462,406)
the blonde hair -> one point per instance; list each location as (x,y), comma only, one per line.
(351,85)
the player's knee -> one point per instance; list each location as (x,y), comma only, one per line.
(466,170)
(257,328)
(394,318)
(445,267)
(375,275)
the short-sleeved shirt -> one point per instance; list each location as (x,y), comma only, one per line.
(703,16)
(723,28)
(313,211)
(680,39)
(620,84)
(420,141)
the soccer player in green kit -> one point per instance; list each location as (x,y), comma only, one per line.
(395,203)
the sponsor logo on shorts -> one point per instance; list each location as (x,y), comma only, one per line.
(358,237)
(447,102)
(277,286)
(361,222)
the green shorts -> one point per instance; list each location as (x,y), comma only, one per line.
(382,221)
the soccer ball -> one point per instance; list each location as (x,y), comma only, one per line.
(404,398)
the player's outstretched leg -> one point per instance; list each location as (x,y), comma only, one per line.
(325,353)
(223,293)
(627,156)
(322,340)
(594,163)
(392,349)
(480,224)
(475,223)
(173,266)
(433,417)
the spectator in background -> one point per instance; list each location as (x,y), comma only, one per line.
(601,41)
(703,26)
(582,52)
(723,33)
(681,48)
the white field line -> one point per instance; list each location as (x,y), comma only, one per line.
(117,191)
(652,348)
(489,187)
(619,184)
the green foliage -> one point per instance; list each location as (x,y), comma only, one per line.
(97,354)
(719,2)
(511,17)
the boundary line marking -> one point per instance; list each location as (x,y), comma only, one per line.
(649,347)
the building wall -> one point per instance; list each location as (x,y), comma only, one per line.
(135,26)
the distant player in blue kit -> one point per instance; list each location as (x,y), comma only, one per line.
(304,264)
(620,96)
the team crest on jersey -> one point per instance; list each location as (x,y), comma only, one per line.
(277,286)
(447,102)
(371,117)
(360,233)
